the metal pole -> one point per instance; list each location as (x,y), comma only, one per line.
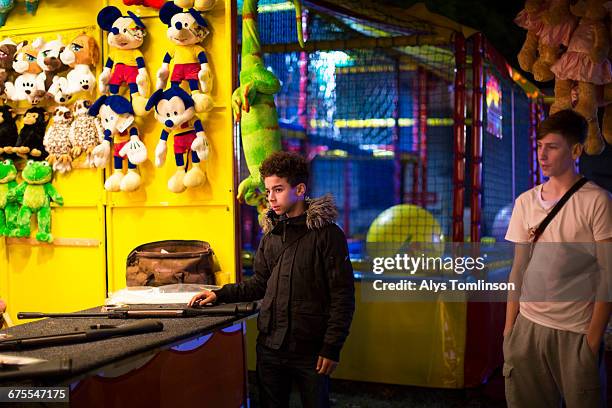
(397,162)
(459,139)
(533,161)
(477,132)
(422,75)
(416,141)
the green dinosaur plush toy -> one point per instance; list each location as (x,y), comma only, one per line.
(253,105)
(36,193)
(8,208)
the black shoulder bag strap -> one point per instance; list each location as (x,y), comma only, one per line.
(536,233)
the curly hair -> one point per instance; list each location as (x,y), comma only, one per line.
(291,166)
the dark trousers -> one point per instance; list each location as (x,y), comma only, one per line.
(277,370)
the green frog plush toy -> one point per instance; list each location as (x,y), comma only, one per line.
(36,194)
(8,208)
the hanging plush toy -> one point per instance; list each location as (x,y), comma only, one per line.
(8,208)
(36,194)
(5,8)
(25,64)
(31,136)
(117,117)
(82,54)
(200,5)
(125,63)
(253,105)
(85,132)
(49,61)
(530,18)
(174,108)
(187,29)
(585,61)
(148,3)
(32,6)
(8,129)
(557,28)
(57,142)
(7,54)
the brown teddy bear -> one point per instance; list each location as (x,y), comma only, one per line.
(585,61)
(558,24)
(530,18)
(7,53)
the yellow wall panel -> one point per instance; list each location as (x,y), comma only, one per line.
(95,230)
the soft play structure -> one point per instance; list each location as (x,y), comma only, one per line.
(422,132)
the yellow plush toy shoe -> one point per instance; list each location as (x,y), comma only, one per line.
(203,102)
(195,177)
(131,181)
(138,104)
(176,182)
(113,183)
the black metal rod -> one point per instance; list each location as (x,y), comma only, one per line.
(80,336)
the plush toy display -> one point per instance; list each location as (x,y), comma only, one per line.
(117,117)
(8,208)
(8,129)
(187,29)
(49,61)
(5,8)
(7,54)
(148,3)
(585,61)
(558,25)
(200,5)
(125,63)
(85,133)
(175,109)
(35,194)
(57,141)
(253,105)
(82,54)
(25,64)
(31,136)
(530,18)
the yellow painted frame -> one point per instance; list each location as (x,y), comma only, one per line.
(95,230)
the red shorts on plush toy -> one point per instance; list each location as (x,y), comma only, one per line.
(185,72)
(183,141)
(117,147)
(124,73)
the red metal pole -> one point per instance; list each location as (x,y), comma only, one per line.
(477,132)
(348,176)
(303,64)
(459,139)
(422,78)
(539,118)
(533,159)
(416,141)
(397,162)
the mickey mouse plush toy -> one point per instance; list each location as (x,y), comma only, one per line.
(117,117)
(187,29)
(125,63)
(174,108)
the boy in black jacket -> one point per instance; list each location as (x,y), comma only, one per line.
(303,273)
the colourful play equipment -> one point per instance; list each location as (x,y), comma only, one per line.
(398,227)
(422,132)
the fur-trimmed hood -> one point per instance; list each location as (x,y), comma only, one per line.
(319,212)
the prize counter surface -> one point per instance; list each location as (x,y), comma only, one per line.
(173,365)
